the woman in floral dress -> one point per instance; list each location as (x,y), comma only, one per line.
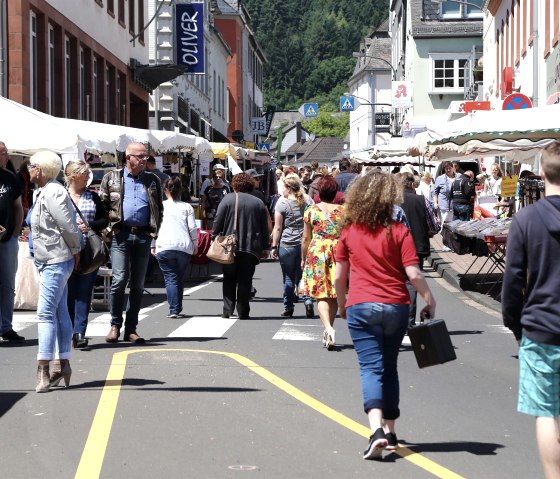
(320,236)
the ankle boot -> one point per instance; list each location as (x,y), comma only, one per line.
(61,370)
(43,381)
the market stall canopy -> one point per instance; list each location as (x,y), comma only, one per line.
(25,131)
(222,150)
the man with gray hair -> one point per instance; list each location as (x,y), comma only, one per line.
(133,198)
(531,308)
(11,218)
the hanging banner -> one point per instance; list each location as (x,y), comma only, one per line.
(401,94)
(189,36)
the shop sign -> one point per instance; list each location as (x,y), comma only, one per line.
(509,186)
(189,36)
(401,94)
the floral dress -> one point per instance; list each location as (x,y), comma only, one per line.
(318,274)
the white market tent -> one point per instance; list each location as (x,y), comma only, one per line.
(516,134)
(65,135)
(26,131)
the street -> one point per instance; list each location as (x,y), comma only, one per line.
(212,397)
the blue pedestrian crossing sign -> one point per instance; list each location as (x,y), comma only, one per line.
(264,147)
(347,103)
(309,110)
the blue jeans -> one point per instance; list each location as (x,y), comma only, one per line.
(290,262)
(54,324)
(173,265)
(8,268)
(80,289)
(377,331)
(461,212)
(129,259)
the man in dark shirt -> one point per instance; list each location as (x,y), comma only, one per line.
(531,308)
(463,194)
(346,175)
(11,218)
(415,211)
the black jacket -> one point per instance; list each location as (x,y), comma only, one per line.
(252,222)
(531,286)
(415,211)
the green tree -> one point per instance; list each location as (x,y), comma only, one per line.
(329,124)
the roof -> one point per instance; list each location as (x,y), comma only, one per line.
(322,149)
(427,24)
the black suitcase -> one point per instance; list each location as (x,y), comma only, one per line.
(431,343)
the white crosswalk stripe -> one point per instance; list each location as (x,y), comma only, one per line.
(300,330)
(203,327)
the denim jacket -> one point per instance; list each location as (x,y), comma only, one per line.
(56,237)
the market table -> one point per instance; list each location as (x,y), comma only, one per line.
(486,240)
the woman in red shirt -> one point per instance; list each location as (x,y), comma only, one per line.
(377,251)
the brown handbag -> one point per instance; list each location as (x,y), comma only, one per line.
(222,249)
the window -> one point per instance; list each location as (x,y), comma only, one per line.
(111,7)
(95,91)
(461,9)
(82,84)
(51,72)
(121,13)
(141,20)
(131,27)
(33,67)
(67,78)
(448,73)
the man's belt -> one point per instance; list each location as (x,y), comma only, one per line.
(136,229)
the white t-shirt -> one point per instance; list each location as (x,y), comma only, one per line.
(178,230)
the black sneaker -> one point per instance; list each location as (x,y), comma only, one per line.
(392,441)
(11,337)
(377,442)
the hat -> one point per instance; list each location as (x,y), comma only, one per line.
(151,159)
(254,173)
(218,166)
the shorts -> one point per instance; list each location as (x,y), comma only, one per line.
(539,379)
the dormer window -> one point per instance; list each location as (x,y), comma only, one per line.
(459,9)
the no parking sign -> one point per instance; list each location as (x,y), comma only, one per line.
(517,101)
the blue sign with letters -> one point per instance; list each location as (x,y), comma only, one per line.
(189,36)
(347,103)
(310,110)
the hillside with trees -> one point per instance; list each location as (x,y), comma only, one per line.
(309,45)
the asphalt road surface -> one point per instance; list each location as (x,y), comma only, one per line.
(208,397)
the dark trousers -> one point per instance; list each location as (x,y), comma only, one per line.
(236,286)
(461,212)
(413,295)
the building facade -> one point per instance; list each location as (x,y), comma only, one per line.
(76,62)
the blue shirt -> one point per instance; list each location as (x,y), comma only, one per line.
(136,208)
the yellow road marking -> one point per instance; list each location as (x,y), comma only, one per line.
(98,438)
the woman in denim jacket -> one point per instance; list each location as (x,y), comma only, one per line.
(56,249)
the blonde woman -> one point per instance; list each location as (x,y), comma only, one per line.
(56,243)
(80,286)
(493,185)
(426,186)
(286,240)
(373,251)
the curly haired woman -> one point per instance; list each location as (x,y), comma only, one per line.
(373,251)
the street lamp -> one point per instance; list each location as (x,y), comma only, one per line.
(373,105)
(363,55)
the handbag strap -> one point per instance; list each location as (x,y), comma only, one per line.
(235,216)
(79,212)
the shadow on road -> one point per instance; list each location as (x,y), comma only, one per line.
(7,401)
(476,448)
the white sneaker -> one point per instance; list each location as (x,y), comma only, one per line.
(330,340)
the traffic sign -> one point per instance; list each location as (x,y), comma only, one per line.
(264,147)
(309,110)
(347,103)
(517,101)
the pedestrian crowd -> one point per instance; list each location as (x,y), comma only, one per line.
(348,241)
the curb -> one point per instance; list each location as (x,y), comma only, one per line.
(446,272)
